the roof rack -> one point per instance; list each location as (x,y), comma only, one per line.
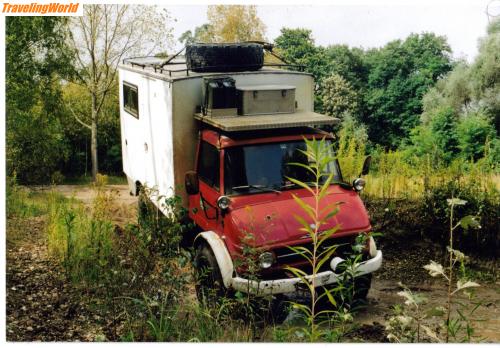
(162,64)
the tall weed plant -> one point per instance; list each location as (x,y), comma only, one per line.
(412,324)
(81,238)
(313,221)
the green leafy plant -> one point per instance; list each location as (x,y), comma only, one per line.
(406,323)
(406,326)
(453,326)
(318,215)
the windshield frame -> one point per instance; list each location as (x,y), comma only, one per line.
(270,189)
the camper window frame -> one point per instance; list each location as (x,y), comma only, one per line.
(134,113)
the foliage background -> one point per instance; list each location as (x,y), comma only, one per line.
(408,97)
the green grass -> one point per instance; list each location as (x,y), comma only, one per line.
(23,202)
(82,237)
(87,180)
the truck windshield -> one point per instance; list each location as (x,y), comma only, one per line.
(265,167)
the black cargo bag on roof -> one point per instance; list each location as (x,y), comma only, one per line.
(220,57)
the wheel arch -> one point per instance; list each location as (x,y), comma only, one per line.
(221,254)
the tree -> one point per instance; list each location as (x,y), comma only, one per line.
(348,63)
(102,37)
(339,98)
(297,47)
(233,23)
(485,74)
(400,74)
(201,34)
(454,91)
(460,112)
(36,58)
(77,137)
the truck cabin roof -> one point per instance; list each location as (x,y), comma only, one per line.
(223,139)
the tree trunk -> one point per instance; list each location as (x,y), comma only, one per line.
(93,141)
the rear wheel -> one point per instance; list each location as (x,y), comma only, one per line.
(209,285)
(143,209)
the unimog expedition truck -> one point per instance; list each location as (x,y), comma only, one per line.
(218,127)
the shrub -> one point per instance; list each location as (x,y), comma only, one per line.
(474,131)
(481,202)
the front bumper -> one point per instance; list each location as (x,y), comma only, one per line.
(289,285)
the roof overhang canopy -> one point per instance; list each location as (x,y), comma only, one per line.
(243,123)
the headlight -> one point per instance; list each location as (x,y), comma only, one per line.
(223,202)
(359,184)
(266,259)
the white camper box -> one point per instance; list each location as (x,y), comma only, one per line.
(159,144)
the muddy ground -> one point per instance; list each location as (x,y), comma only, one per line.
(43,307)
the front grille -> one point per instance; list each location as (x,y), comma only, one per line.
(286,255)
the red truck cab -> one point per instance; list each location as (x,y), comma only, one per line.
(244,199)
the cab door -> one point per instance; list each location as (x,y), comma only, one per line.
(203,205)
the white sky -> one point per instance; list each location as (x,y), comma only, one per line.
(366,24)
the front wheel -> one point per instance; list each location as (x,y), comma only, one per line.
(362,286)
(209,285)
(351,294)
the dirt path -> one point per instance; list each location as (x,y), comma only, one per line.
(383,296)
(85,193)
(41,306)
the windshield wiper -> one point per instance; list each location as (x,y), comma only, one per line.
(257,187)
(286,186)
(334,182)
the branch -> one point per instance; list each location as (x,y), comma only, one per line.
(77,118)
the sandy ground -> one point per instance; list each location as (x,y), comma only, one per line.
(86,194)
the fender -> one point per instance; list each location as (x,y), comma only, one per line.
(221,255)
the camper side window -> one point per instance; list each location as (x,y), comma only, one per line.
(131,99)
(208,164)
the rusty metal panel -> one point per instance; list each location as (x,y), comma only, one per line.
(300,118)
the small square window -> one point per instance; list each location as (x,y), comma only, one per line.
(131,99)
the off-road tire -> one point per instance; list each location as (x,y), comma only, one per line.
(362,286)
(209,285)
(224,57)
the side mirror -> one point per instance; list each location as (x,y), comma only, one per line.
(191,182)
(366,165)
